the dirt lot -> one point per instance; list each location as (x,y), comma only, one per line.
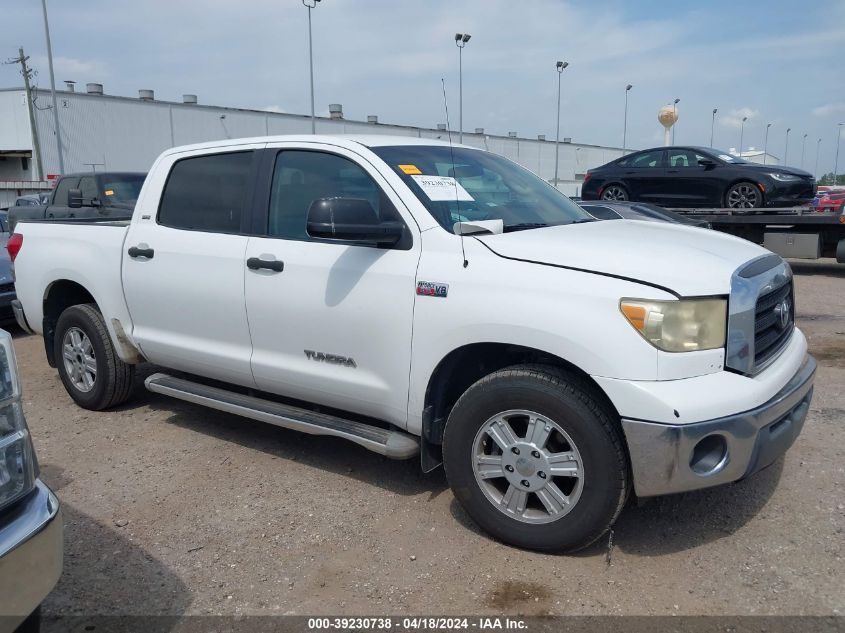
(174,509)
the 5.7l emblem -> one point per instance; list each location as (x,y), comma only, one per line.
(432,289)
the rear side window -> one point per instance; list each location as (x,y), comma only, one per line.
(207,193)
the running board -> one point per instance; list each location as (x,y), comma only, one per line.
(392,444)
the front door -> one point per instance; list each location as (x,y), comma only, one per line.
(689,184)
(183,268)
(330,322)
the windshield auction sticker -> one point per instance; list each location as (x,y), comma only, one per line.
(442,189)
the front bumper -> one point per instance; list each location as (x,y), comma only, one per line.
(790,193)
(30,553)
(669,458)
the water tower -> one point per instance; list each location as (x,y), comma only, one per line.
(668,116)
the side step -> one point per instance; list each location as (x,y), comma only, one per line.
(392,444)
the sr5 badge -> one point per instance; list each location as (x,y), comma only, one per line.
(432,289)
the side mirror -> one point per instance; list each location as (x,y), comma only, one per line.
(74,198)
(351,220)
(706,162)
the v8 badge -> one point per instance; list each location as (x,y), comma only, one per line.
(432,289)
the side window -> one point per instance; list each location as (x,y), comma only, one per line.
(301,177)
(207,193)
(648,159)
(681,158)
(65,185)
(88,186)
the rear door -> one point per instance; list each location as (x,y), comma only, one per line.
(183,265)
(332,324)
(643,175)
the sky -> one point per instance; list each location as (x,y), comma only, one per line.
(775,62)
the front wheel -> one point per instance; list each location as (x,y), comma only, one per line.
(89,367)
(535,459)
(744,195)
(615,192)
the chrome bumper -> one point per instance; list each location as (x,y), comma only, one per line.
(30,553)
(20,317)
(669,458)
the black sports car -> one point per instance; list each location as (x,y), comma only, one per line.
(697,177)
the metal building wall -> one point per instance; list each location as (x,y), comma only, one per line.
(121,133)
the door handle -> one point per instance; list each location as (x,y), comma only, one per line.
(255,263)
(135,252)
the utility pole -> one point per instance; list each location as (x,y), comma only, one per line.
(53,90)
(27,74)
(311,4)
(560,66)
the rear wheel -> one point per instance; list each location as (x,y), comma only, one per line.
(614,192)
(88,364)
(744,195)
(535,459)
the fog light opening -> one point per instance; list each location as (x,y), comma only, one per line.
(709,455)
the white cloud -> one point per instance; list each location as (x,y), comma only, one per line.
(828,109)
(734,118)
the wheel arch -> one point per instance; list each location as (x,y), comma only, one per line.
(58,296)
(63,293)
(736,181)
(464,366)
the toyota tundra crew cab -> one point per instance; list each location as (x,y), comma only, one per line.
(419,298)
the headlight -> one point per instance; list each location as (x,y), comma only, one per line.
(686,325)
(784,177)
(17,461)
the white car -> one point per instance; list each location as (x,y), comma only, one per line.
(421,298)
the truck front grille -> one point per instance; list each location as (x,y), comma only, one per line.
(774,320)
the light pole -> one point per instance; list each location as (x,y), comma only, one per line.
(741,132)
(816,170)
(625,124)
(786,147)
(53,90)
(560,66)
(675,116)
(461,40)
(803,143)
(836,163)
(766,142)
(712,124)
(311,4)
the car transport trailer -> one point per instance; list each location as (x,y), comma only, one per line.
(796,232)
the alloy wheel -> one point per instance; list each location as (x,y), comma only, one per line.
(743,196)
(527,466)
(79,361)
(614,192)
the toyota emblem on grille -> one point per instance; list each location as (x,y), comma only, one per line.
(782,311)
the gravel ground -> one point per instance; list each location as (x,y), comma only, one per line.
(174,509)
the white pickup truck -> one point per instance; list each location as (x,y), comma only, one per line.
(421,298)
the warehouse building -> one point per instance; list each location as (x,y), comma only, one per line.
(106,132)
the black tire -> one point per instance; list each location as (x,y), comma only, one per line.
(744,195)
(572,404)
(615,192)
(32,624)
(113,382)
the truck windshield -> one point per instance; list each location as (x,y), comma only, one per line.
(463,185)
(122,189)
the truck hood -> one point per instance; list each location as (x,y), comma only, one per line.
(686,260)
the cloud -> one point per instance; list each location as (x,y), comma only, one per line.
(274,108)
(734,118)
(828,109)
(73,68)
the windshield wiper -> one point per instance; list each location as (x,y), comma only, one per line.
(522,226)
